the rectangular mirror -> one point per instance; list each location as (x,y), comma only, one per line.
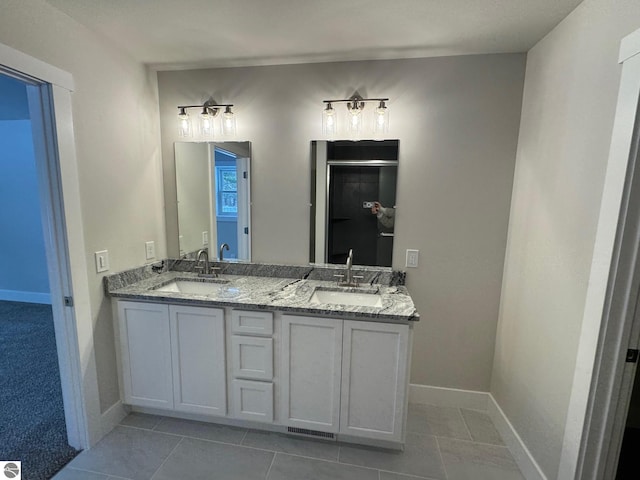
(213,196)
(353,195)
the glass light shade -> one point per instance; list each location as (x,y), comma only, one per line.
(228,122)
(206,124)
(354,117)
(184,124)
(329,121)
(381,119)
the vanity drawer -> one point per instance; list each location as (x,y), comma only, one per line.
(251,323)
(252,357)
(253,400)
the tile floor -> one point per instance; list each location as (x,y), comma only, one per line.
(443,443)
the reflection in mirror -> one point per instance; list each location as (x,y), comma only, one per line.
(353,195)
(213,194)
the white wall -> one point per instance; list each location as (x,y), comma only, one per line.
(569,101)
(115,113)
(457,120)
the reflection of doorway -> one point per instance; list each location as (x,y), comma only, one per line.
(32,413)
(230,205)
(213,198)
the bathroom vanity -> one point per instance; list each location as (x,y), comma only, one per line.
(297,355)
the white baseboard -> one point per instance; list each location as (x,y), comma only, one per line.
(112,417)
(26,297)
(448,397)
(527,464)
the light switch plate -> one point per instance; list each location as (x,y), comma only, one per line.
(412,258)
(150,249)
(102,261)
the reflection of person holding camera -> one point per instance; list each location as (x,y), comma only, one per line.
(386,215)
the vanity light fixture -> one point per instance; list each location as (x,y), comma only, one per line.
(355,117)
(209,111)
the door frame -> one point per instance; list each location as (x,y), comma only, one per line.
(49,92)
(602,380)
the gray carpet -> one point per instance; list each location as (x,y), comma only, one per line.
(32,428)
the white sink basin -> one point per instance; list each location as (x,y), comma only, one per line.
(192,287)
(359,299)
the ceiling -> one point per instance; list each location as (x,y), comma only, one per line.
(176,34)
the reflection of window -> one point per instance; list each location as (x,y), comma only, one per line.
(226,191)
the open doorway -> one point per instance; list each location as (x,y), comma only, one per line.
(629,463)
(32,412)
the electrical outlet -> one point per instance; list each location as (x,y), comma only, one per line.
(102,261)
(205,239)
(412,258)
(150,248)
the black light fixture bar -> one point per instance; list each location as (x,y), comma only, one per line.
(351,100)
(206,105)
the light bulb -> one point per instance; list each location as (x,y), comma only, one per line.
(206,122)
(184,123)
(355,120)
(329,120)
(381,119)
(228,122)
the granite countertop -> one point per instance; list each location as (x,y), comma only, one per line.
(289,295)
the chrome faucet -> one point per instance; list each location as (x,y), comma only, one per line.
(349,279)
(223,247)
(205,269)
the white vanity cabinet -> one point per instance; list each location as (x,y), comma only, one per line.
(300,373)
(145,346)
(173,357)
(311,366)
(374,379)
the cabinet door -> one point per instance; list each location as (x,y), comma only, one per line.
(198,351)
(146,354)
(374,376)
(311,357)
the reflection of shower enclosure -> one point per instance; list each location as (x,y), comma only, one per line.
(357,174)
